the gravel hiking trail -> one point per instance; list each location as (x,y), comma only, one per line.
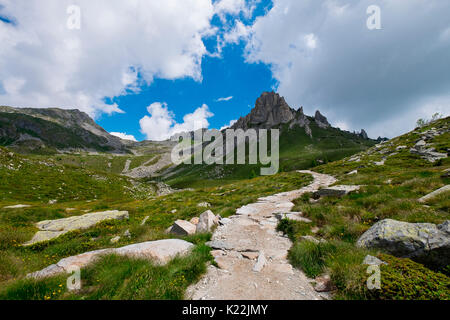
(252,255)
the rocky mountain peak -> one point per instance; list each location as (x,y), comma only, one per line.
(270,110)
(321,120)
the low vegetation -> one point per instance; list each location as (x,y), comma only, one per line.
(389,190)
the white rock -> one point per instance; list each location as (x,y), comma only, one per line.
(115,239)
(160,252)
(435,194)
(260,263)
(18,206)
(206,222)
(51,229)
(183,228)
(204,205)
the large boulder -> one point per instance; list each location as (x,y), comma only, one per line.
(159,252)
(183,228)
(51,229)
(424,242)
(206,222)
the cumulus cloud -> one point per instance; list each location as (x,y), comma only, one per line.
(124,136)
(224,99)
(232,122)
(120,45)
(324,57)
(161,124)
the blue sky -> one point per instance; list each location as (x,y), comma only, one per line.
(224,76)
(148,68)
(227,76)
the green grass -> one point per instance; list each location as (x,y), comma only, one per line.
(119,278)
(82,191)
(298,151)
(389,191)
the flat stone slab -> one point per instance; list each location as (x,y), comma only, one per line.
(17,206)
(160,252)
(434,194)
(52,229)
(336,191)
(183,228)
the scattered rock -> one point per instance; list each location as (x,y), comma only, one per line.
(324,284)
(206,222)
(219,245)
(17,206)
(352,172)
(127,234)
(204,205)
(183,228)
(260,263)
(52,201)
(295,216)
(160,252)
(174,211)
(336,191)
(51,229)
(424,242)
(311,239)
(434,194)
(373,261)
(225,221)
(115,239)
(145,220)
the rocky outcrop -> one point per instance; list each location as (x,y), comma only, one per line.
(270,110)
(51,229)
(160,252)
(425,150)
(364,134)
(58,128)
(321,120)
(424,242)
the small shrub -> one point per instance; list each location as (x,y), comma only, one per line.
(311,257)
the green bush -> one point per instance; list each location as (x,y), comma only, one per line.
(404,279)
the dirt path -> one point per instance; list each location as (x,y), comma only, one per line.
(252,255)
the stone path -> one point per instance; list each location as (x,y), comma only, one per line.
(252,255)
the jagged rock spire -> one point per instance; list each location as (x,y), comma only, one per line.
(321,120)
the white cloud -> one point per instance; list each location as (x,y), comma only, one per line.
(235,7)
(324,57)
(124,136)
(232,122)
(161,124)
(224,99)
(311,41)
(43,63)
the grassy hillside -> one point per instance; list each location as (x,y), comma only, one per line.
(46,136)
(389,191)
(30,180)
(298,151)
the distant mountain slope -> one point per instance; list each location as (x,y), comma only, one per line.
(305,142)
(35,130)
